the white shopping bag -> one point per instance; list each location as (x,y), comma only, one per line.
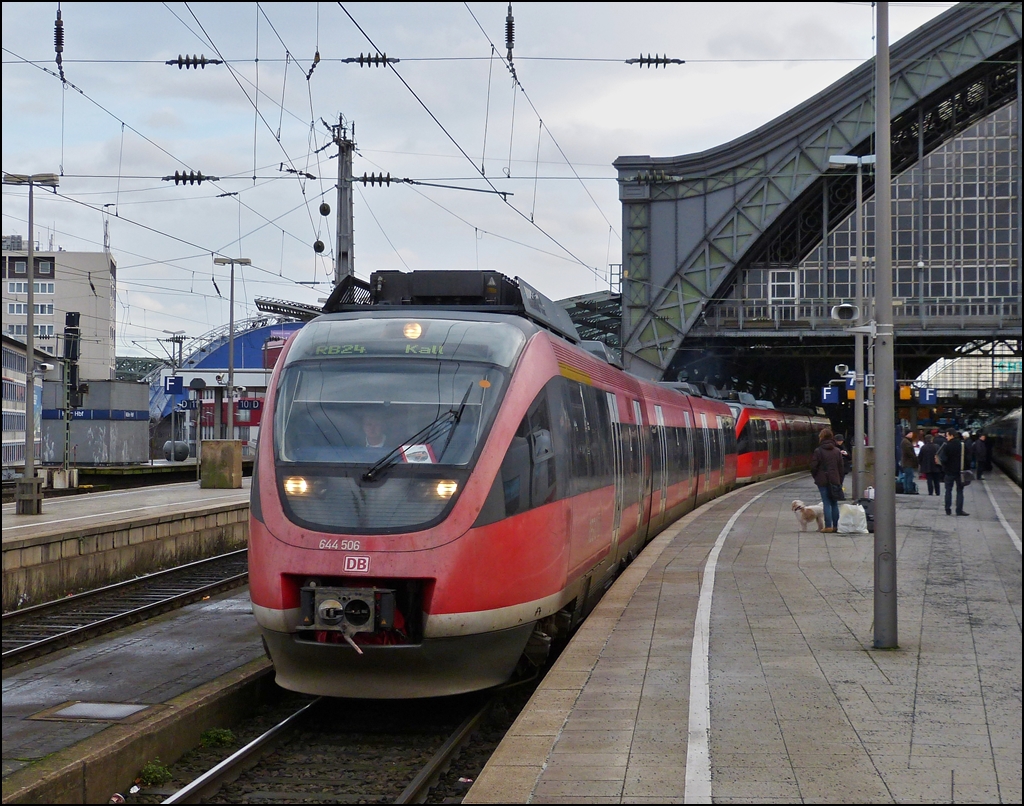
(852,519)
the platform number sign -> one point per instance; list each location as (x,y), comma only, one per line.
(173,384)
(830,394)
(927,397)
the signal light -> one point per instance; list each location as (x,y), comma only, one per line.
(72,342)
(189,62)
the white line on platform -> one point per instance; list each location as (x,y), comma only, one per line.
(698,745)
(37,524)
(1006,524)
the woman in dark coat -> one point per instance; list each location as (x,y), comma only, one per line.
(827,468)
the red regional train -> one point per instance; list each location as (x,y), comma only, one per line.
(771,442)
(447,481)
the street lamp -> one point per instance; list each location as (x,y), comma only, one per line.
(28,501)
(224,261)
(858,337)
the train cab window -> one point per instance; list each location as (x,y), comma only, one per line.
(529,472)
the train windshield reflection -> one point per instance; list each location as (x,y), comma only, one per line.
(357,412)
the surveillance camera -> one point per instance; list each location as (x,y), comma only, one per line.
(845,312)
(841,370)
(45,367)
(239,389)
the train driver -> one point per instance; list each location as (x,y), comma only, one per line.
(373,429)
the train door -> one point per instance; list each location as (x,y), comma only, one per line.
(641,476)
(661,480)
(722,445)
(773,452)
(688,472)
(618,471)
(707,451)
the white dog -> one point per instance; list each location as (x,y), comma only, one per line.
(805,514)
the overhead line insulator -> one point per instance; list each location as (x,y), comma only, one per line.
(510,32)
(376,179)
(58,43)
(655,61)
(371,60)
(189,62)
(190,178)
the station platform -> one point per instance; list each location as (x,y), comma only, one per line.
(733,662)
(91,540)
(74,719)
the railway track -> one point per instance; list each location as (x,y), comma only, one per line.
(345,751)
(40,629)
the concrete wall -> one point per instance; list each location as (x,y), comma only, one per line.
(112,427)
(39,569)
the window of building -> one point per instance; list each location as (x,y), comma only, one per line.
(46,267)
(20,266)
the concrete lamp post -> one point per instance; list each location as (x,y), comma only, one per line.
(28,498)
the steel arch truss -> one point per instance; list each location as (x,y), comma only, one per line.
(692,223)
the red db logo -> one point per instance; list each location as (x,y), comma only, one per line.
(355,564)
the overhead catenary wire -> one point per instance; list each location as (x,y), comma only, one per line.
(517,83)
(461,149)
(128,125)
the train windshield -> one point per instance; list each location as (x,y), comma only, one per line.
(362,412)
(356,391)
(377,422)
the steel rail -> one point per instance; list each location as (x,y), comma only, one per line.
(419,788)
(83,632)
(234,765)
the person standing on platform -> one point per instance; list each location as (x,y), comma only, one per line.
(979,450)
(908,464)
(930,465)
(840,441)
(951,454)
(827,469)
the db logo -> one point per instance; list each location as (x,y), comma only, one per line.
(355,564)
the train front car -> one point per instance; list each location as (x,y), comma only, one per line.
(406,534)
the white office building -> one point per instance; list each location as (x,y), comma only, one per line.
(85,282)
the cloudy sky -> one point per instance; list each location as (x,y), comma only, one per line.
(446,112)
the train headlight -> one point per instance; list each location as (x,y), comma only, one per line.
(296,485)
(447,488)
(412,330)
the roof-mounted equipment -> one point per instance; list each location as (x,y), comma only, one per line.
(483,291)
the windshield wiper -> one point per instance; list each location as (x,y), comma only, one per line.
(431,432)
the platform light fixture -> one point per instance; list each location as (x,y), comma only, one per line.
(224,261)
(854,314)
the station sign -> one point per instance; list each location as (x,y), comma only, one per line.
(928,397)
(830,394)
(250,404)
(188,404)
(173,384)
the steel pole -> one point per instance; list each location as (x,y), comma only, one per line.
(885,602)
(231,358)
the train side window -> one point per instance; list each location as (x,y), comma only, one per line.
(529,472)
